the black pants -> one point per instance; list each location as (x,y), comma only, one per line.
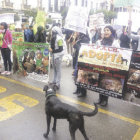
(103,98)
(6,55)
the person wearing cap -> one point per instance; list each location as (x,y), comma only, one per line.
(6,48)
(57,49)
(107,40)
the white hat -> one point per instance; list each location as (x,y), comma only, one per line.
(57,30)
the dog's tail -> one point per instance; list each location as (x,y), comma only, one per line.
(94,112)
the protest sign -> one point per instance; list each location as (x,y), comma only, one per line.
(96,20)
(7,17)
(31,60)
(103,69)
(77,18)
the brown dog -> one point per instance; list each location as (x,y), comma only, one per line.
(58,110)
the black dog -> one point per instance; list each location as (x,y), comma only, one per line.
(124,60)
(58,110)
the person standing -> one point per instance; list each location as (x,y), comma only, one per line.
(57,49)
(40,36)
(31,34)
(6,48)
(124,39)
(134,37)
(81,38)
(107,40)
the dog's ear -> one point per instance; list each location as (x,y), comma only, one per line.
(45,88)
(55,87)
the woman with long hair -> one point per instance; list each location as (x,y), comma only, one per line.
(6,48)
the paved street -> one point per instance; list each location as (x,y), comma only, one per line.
(22,115)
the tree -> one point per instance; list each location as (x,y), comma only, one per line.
(108,15)
(40,20)
(91,12)
(31,13)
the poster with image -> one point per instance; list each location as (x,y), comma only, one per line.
(133,83)
(31,60)
(103,69)
(18,36)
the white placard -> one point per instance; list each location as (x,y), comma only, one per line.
(77,18)
(7,17)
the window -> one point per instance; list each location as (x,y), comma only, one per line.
(76,2)
(86,3)
(83,2)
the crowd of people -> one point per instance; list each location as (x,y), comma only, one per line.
(57,39)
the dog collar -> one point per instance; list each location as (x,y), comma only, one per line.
(52,94)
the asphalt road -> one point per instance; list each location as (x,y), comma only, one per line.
(22,115)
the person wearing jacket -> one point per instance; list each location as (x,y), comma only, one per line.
(40,36)
(124,39)
(134,37)
(81,38)
(6,48)
(107,40)
(57,44)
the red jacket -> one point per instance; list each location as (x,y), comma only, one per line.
(7,39)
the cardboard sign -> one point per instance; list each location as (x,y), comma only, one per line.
(77,18)
(7,17)
(103,69)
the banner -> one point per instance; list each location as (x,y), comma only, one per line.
(7,17)
(77,18)
(18,36)
(133,83)
(31,60)
(103,69)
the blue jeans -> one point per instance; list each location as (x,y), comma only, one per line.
(57,70)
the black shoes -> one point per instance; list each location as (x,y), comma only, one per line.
(103,100)
(75,92)
(81,95)
(104,103)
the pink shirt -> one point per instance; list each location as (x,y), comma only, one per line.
(7,39)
